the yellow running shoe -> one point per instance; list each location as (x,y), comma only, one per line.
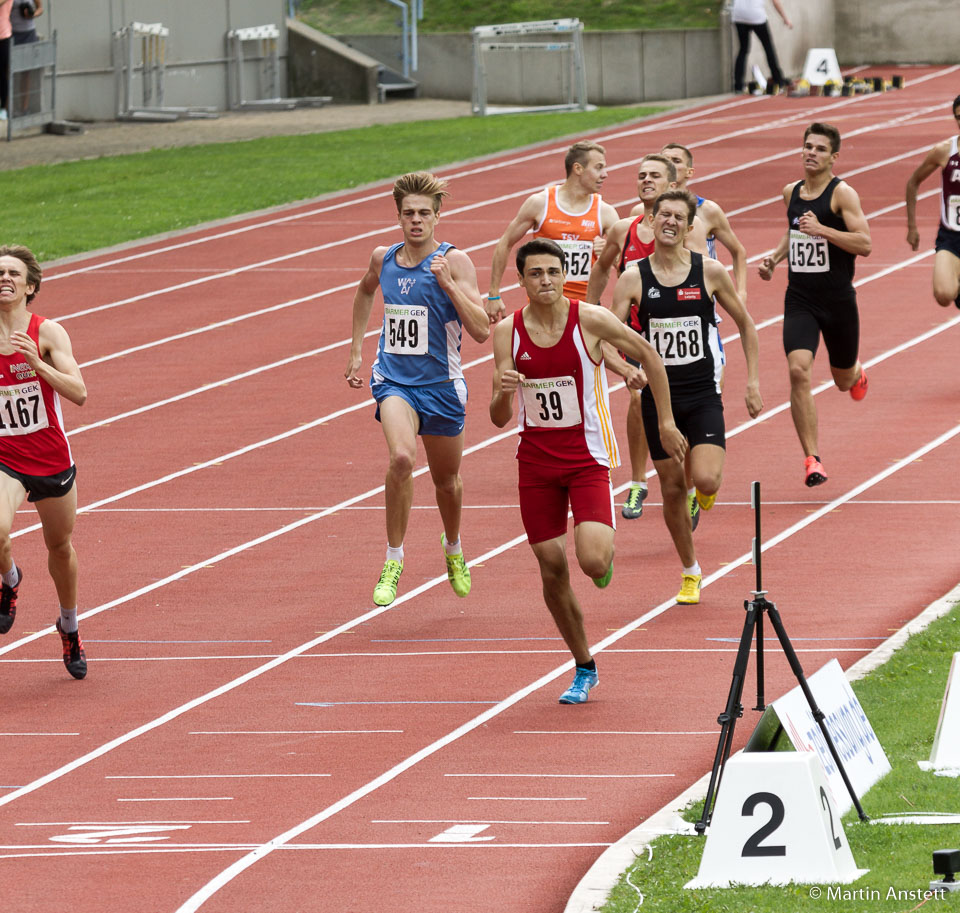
(694,507)
(603,581)
(386,589)
(457,571)
(690,591)
(705,501)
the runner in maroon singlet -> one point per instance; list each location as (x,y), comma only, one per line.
(946,262)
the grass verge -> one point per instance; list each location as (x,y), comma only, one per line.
(902,700)
(72,207)
(351,17)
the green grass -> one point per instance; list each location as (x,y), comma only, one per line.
(902,700)
(64,209)
(347,17)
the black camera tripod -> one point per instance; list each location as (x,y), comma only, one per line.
(756,608)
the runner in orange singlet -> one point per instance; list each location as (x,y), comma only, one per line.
(572,213)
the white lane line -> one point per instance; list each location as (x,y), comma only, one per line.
(479,821)
(183,799)
(300,847)
(526,798)
(248,657)
(7,735)
(206,776)
(127,823)
(539,776)
(238,866)
(658,732)
(294,731)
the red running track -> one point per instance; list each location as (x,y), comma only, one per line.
(254,736)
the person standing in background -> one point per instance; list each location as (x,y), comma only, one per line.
(5,32)
(751,16)
(26,88)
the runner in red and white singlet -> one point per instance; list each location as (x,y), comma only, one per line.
(37,367)
(551,354)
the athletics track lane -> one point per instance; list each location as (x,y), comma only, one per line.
(280,575)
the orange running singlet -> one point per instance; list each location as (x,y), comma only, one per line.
(575,234)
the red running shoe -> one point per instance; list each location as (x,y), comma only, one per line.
(859,390)
(8,603)
(74,657)
(813,472)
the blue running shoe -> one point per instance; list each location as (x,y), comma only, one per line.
(583,681)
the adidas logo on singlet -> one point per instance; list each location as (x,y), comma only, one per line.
(525,357)
(653,293)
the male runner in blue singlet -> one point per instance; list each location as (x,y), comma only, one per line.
(430,295)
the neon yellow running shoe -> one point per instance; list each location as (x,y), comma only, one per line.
(690,591)
(386,589)
(457,571)
(705,501)
(694,507)
(603,581)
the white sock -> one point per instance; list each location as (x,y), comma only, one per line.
(452,548)
(395,554)
(692,492)
(10,578)
(68,620)
(641,485)
(693,570)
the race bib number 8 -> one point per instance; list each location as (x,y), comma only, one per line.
(678,340)
(578,256)
(551,402)
(953,212)
(405,329)
(808,255)
(22,410)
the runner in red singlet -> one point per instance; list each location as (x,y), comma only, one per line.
(550,352)
(37,367)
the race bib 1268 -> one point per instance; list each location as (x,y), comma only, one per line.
(678,340)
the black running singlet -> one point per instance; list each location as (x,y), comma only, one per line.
(680,323)
(816,265)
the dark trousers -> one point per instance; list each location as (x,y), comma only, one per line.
(4,67)
(763,33)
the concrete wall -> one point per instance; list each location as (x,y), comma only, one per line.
(195,58)
(321,65)
(621,67)
(891,31)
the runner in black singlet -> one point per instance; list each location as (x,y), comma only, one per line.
(826,230)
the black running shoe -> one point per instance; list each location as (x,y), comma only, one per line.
(8,604)
(74,657)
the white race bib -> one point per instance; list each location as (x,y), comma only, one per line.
(551,402)
(953,212)
(807,254)
(678,340)
(578,256)
(405,329)
(22,410)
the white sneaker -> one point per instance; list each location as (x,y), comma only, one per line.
(3,113)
